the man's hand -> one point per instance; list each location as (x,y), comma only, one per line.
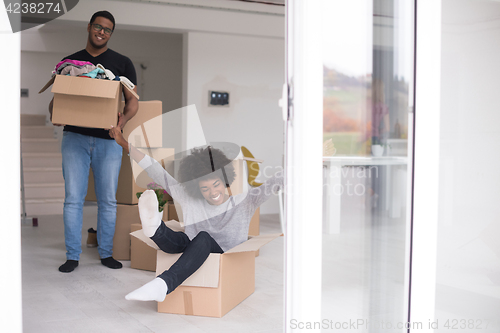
(51,106)
(121,121)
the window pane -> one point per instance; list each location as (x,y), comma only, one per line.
(368,76)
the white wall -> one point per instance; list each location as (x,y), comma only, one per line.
(468,247)
(251,69)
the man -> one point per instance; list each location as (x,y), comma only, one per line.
(83,148)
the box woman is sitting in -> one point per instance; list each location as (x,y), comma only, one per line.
(214,221)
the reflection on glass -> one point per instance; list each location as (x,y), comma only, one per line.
(368,71)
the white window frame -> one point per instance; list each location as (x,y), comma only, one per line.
(426,163)
(304,165)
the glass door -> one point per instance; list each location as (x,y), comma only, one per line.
(359,55)
(367,120)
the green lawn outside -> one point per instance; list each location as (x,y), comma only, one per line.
(346,143)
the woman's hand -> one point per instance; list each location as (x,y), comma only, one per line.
(116,133)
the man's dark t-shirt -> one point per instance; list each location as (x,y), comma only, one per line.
(119,64)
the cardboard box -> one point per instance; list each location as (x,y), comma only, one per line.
(126,215)
(85,102)
(147,115)
(132,176)
(145,128)
(254,228)
(172,212)
(142,256)
(221,283)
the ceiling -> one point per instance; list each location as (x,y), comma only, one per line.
(255,6)
(269,2)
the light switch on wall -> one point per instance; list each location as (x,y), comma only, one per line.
(218,98)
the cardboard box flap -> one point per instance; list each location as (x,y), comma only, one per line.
(79,86)
(254,243)
(131,90)
(205,276)
(48,84)
(174,225)
(140,235)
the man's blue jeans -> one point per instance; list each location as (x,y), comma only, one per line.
(79,153)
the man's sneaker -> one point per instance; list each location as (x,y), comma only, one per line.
(92,238)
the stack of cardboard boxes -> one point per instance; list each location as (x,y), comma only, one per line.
(133,179)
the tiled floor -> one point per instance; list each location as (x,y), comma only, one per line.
(91,299)
(363,278)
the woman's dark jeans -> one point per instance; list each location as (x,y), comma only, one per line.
(195,252)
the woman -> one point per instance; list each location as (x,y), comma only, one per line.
(214,221)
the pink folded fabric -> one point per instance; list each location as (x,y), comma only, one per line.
(75,62)
(77,71)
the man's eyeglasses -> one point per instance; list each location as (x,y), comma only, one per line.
(98,27)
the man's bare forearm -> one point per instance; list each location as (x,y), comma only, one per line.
(51,107)
(130,109)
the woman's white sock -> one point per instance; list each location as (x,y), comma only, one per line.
(148,212)
(155,290)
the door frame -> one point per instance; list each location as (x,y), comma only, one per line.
(303,151)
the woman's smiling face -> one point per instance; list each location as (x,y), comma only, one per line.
(213,190)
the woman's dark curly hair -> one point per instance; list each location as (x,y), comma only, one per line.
(204,163)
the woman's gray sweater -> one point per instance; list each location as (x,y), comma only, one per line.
(227,223)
